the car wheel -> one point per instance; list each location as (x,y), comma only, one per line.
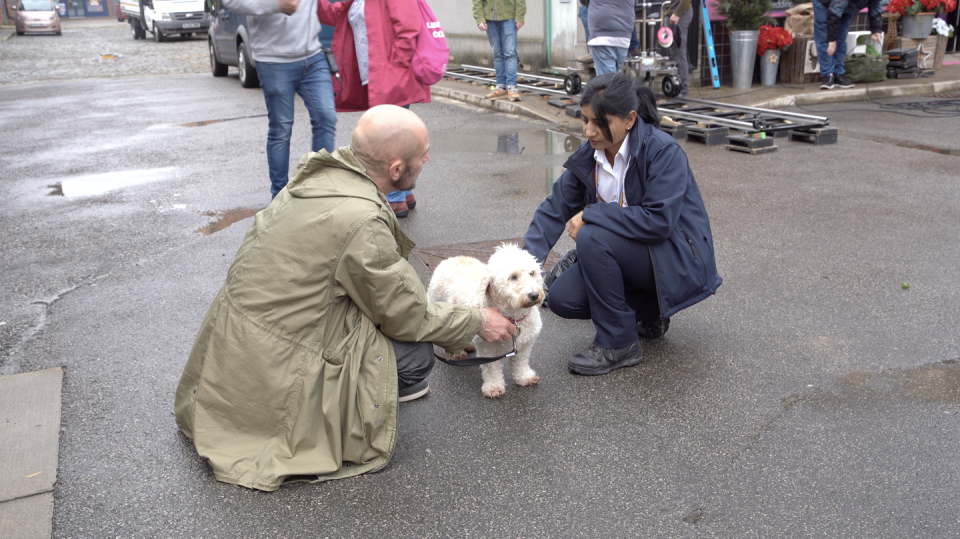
(218,69)
(59,32)
(248,72)
(158,35)
(19,33)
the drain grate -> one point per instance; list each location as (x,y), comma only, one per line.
(945,96)
(431,256)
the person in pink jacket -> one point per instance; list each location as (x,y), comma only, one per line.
(374,42)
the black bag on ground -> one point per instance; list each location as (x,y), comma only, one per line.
(561,266)
(865,68)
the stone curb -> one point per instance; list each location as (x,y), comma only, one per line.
(509,107)
(6,32)
(859,94)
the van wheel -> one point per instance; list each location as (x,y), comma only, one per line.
(158,35)
(218,69)
(247,71)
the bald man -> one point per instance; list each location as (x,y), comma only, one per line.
(322,326)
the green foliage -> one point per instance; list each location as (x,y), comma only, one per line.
(744,14)
(904,285)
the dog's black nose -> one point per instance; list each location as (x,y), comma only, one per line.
(534,296)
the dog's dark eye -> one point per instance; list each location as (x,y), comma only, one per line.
(513,277)
(531,274)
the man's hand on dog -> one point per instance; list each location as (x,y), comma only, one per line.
(498,329)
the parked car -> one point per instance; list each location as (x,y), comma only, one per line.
(228,42)
(38,17)
(165,18)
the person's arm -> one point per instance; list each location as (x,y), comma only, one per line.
(405,19)
(255,7)
(478,13)
(834,11)
(679,9)
(652,219)
(330,13)
(520,12)
(875,12)
(387,290)
(550,219)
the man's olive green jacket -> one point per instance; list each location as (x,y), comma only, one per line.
(292,373)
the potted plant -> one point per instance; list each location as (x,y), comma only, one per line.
(744,18)
(917,15)
(770,41)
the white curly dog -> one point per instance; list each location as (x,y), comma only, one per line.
(512,283)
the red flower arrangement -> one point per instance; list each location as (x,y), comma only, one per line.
(912,7)
(774,37)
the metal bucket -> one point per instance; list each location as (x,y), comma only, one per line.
(768,67)
(918,26)
(743,52)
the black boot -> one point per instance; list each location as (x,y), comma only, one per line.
(596,360)
(653,330)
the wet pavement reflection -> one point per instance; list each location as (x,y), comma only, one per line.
(98,184)
(225,219)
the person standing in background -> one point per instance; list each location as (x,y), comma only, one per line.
(501,19)
(611,26)
(289,61)
(374,42)
(680,17)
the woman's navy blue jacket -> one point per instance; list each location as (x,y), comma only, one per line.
(665,212)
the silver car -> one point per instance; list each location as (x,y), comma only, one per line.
(37,17)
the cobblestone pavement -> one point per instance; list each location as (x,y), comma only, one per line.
(97,48)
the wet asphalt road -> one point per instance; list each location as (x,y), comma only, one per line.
(812,396)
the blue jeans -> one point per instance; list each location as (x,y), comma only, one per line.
(280,81)
(607,59)
(830,64)
(586,25)
(503,39)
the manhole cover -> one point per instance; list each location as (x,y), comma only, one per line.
(432,256)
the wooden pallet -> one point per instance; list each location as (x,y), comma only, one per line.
(818,136)
(711,136)
(678,132)
(751,145)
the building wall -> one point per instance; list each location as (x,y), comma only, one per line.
(468,45)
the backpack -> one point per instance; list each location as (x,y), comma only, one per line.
(432,54)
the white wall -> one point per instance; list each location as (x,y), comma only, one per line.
(468,45)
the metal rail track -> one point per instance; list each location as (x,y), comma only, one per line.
(738,116)
(537,85)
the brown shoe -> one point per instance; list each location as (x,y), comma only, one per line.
(514,95)
(400,209)
(411,201)
(499,92)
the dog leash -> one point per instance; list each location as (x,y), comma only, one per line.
(473,361)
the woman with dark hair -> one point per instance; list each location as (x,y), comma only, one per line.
(644,247)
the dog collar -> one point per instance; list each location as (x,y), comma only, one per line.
(518,320)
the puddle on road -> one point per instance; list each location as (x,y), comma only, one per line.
(208,122)
(547,142)
(225,219)
(905,144)
(937,381)
(97,184)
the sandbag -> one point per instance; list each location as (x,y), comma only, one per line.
(858,66)
(800,20)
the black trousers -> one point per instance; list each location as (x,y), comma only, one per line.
(414,362)
(612,283)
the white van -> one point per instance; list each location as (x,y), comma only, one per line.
(163,18)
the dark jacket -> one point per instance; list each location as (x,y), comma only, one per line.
(836,9)
(666,212)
